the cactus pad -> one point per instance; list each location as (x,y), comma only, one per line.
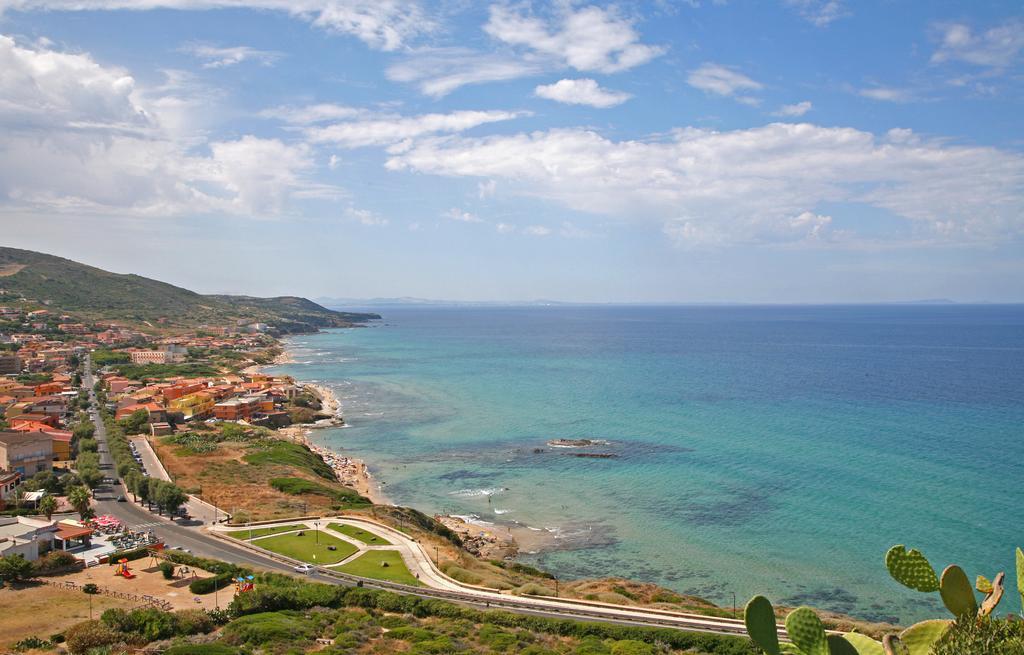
(759,618)
(806,631)
(994,596)
(911,569)
(864,644)
(983,584)
(956,591)
(837,645)
(1020,574)
(919,638)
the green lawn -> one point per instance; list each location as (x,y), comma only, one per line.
(364,536)
(368,565)
(262,532)
(305,547)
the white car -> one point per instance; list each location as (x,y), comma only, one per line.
(305,569)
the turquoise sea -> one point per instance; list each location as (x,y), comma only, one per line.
(776,450)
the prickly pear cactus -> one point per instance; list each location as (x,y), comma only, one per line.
(806,631)
(864,644)
(911,569)
(759,617)
(983,584)
(994,596)
(919,638)
(1020,575)
(957,594)
(837,645)
(892,645)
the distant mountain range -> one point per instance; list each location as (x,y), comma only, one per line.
(92,293)
(427,302)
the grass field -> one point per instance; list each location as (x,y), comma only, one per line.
(364,536)
(41,611)
(305,548)
(368,565)
(263,532)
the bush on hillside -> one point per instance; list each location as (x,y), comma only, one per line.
(56,560)
(83,637)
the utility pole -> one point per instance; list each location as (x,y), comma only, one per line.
(437,556)
(316,530)
(556,587)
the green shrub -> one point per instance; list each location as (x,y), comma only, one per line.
(275,451)
(202,586)
(14,568)
(632,647)
(299,486)
(194,622)
(268,628)
(83,637)
(31,643)
(167,569)
(202,649)
(982,636)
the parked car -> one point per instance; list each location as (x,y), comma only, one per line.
(305,569)
(122,499)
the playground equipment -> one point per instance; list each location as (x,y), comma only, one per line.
(244,583)
(123,570)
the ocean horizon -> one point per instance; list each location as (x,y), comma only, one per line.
(750,449)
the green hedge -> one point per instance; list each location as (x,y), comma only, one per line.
(209,585)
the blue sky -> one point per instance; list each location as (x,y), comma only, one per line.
(789,151)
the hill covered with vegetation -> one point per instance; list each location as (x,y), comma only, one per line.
(95,294)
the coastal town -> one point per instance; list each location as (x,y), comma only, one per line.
(149,386)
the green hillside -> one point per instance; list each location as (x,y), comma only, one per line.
(92,293)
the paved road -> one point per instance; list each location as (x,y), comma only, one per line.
(190,535)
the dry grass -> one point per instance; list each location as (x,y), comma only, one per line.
(238,487)
(43,610)
(8,270)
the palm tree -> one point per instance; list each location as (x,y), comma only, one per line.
(48,505)
(79,499)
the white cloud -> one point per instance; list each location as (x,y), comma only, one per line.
(750,185)
(585,38)
(887,94)
(581,92)
(215,57)
(537,230)
(997,47)
(794,110)
(485,190)
(723,81)
(462,216)
(439,71)
(79,136)
(819,12)
(365,217)
(48,89)
(333,162)
(505,228)
(311,114)
(387,130)
(382,24)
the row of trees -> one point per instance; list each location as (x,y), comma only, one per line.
(167,496)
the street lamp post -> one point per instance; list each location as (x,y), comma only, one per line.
(316,531)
